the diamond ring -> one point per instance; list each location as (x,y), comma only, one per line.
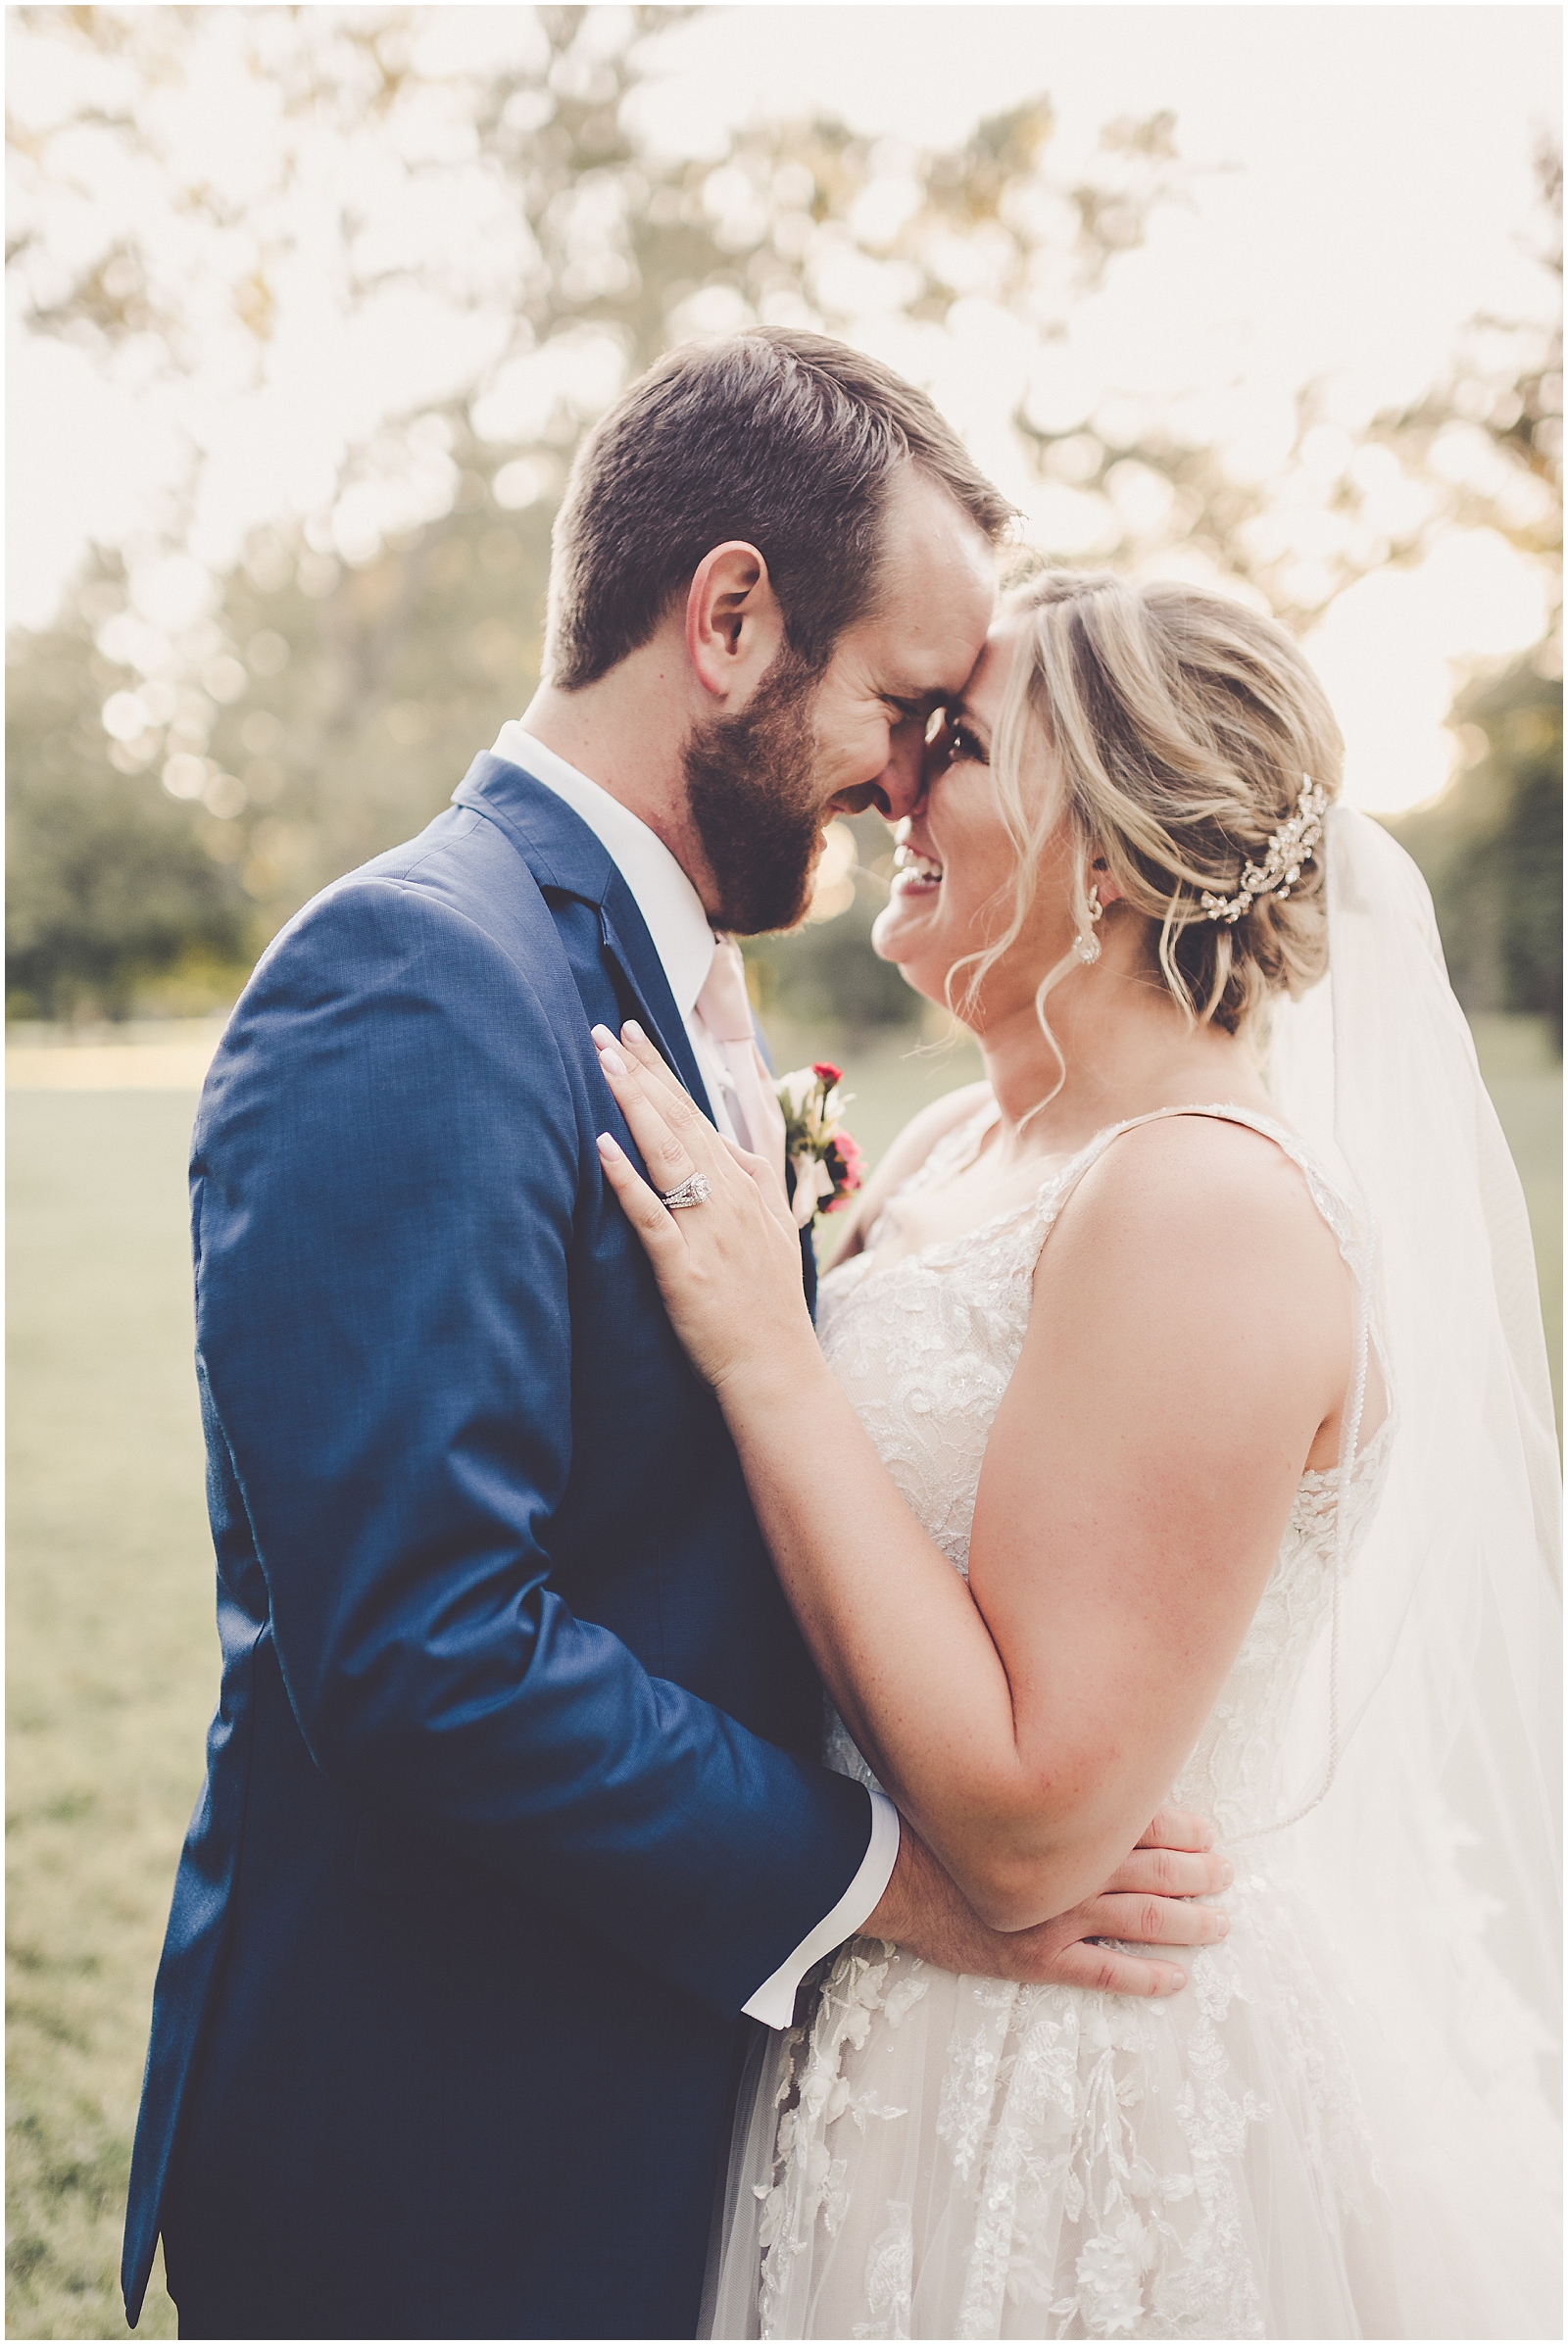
(695,1190)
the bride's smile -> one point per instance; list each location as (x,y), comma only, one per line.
(956,923)
(955,862)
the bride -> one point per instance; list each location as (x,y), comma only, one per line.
(1175,1426)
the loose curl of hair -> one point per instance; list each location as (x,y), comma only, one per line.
(1179,726)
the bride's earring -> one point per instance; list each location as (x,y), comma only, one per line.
(1086,943)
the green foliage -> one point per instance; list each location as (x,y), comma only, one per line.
(354,700)
(396,677)
(1491,848)
(109,885)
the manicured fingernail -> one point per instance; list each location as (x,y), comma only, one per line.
(609,1147)
(631,1032)
(1224,1926)
(1227,1874)
(612,1062)
(1181,1979)
(603,1036)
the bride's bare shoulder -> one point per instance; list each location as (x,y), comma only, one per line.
(906,1155)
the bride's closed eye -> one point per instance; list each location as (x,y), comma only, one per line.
(960,746)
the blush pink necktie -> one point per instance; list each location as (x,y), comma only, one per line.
(727,1013)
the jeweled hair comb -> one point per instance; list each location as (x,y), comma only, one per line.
(1290,848)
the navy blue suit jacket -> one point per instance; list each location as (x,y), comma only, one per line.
(511,1796)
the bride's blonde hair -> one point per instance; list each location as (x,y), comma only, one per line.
(1179,727)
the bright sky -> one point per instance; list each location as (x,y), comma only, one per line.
(1371,180)
(1369,190)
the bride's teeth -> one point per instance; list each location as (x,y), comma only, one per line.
(919,866)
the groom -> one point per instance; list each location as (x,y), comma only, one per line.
(513,1807)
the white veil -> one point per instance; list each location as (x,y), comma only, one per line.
(1426,1741)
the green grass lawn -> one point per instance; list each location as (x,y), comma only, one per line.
(111,1650)
(113,1672)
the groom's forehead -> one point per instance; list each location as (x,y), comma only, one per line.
(919,672)
(937,591)
(920,669)
(924,656)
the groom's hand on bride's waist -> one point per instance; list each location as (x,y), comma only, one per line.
(1150,1900)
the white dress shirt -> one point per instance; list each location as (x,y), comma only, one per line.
(672,912)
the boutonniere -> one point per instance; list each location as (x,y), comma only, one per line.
(825,1159)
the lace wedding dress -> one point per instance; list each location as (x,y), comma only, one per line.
(933,2156)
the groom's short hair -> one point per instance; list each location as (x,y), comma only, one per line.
(789,441)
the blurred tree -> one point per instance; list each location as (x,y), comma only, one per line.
(109,886)
(342,675)
(1488,436)
(1492,848)
(317,698)
(1346,495)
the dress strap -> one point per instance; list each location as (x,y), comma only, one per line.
(1334,1208)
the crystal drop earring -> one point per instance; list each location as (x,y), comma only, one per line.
(1086,943)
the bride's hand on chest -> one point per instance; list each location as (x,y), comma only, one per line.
(714,1221)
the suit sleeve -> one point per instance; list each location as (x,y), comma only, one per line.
(387,1165)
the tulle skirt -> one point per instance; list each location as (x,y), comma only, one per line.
(934,2156)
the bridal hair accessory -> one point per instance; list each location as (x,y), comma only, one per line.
(1086,943)
(1291,847)
(695,1190)
(822,1156)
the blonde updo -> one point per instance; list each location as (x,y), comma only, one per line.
(1179,726)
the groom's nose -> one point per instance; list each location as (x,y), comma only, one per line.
(900,785)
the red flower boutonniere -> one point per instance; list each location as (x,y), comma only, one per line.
(825,1159)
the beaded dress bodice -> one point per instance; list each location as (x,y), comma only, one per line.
(925,1347)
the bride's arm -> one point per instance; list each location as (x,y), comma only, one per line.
(1184,1348)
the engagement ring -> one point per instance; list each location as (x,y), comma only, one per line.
(695,1190)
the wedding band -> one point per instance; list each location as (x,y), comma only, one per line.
(695,1190)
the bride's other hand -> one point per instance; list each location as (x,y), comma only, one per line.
(1152,1899)
(729,1268)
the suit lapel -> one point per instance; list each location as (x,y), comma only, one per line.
(566,858)
(631,948)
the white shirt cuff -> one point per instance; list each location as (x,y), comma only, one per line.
(775,2000)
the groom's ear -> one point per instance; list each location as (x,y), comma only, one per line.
(734,627)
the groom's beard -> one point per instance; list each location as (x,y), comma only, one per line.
(751,784)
